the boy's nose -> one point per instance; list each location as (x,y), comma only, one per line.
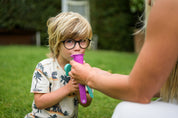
(77,46)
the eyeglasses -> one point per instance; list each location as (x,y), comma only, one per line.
(70,43)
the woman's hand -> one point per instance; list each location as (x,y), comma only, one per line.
(80,72)
(83,73)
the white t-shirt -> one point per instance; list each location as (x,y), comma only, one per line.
(49,76)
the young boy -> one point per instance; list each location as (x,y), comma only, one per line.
(56,95)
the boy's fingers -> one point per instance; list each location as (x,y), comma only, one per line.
(70,74)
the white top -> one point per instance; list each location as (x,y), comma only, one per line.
(49,76)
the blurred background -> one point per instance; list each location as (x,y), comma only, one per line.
(113,22)
(24,42)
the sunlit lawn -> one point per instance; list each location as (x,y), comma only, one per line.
(17,64)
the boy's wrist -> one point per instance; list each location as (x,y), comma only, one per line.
(68,88)
(77,93)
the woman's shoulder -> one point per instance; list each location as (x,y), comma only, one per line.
(163,18)
(166,8)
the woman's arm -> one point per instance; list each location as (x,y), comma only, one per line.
(160,51)
(153,66)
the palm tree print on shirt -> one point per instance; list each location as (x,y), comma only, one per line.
(54,75)
(40,66)
(37,75)
(64,79)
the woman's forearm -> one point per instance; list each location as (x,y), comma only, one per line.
(117,86)
(113,85)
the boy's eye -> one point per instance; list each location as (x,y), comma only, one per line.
(82,40)
(69,41)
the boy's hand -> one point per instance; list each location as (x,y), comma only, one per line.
(73,86)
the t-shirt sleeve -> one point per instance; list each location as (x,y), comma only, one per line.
(40,82)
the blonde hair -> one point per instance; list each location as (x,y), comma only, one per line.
(169,91)
(147,12)
(66,25)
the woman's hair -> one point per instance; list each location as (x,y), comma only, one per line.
(169,91)
(147,12)
(148,6)
(66,25)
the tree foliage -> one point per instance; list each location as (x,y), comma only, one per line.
(28,14)
(136,6)
(113,21)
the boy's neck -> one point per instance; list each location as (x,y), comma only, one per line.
(62,62)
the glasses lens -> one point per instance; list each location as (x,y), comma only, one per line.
(84,43)
(69,43)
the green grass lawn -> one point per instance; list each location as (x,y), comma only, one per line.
(17,64)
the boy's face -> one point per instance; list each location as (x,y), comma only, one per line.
(65,54)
